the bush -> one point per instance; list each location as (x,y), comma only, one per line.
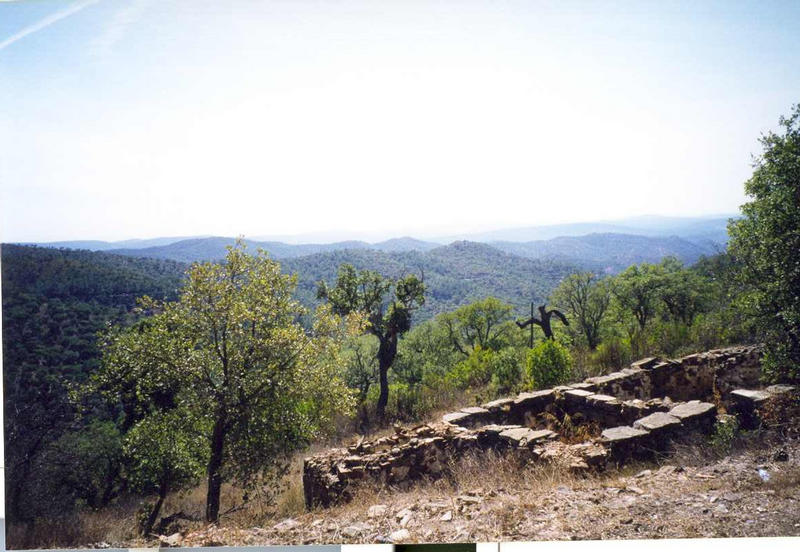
(506,372)
(726,429)
(614,353)
(548,364)
(474,371)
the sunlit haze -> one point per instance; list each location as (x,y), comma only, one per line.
(378,119)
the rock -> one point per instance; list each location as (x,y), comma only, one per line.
(623,433)
(352,531)
(695,414)
(624,441)
(399,473)
(172,541)
(378,510)
(658,422)
(399,535)
(780,389)
(522,436)
(402,513)
(749,397)
(468,417)
(286,525)
(447,516)
(645,363)
(534,402)
(455,418)
(498,405)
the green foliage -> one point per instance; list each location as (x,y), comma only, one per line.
(506,369)
(726,430)
(166,448)
(230,351)
(485,323)
(87,463)
(767,244)
(455,275)
(548,364)
(360,365)
(637,290)
(473,371)
(367,293)
(54,303)
(612,354)
(585,299)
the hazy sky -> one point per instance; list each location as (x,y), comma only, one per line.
(371,119)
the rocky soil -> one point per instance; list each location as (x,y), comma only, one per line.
(754,491)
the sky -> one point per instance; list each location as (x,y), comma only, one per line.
(378,119)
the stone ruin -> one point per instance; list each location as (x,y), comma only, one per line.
(635,412)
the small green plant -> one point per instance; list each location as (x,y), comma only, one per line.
(726,429)
(548,364)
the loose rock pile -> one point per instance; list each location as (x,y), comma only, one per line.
(630,413)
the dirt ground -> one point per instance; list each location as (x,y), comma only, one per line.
(694,492)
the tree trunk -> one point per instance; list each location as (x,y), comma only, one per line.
(386,353)
(214,467)
(151,519)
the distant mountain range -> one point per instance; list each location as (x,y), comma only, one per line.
(692,228)
(601,246)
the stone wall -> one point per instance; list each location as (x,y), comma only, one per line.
(632,412)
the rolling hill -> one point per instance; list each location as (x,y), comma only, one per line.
(610,253)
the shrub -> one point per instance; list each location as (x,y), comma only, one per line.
(548,364)
(506,372)
(473,371)
(614,353)
(726,429)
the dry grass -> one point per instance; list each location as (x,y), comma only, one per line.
(114,524)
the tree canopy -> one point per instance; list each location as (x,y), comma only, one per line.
(767,244)
(231,353)
(387,306)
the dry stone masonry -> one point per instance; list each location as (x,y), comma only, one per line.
(608,419)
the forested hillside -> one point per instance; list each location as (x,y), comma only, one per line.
(54,303)
(454,275)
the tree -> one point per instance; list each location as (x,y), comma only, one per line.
(368,292)
(585,298)
(684,293)
(231,351)
(767,243)
(480,324)
(637,290)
